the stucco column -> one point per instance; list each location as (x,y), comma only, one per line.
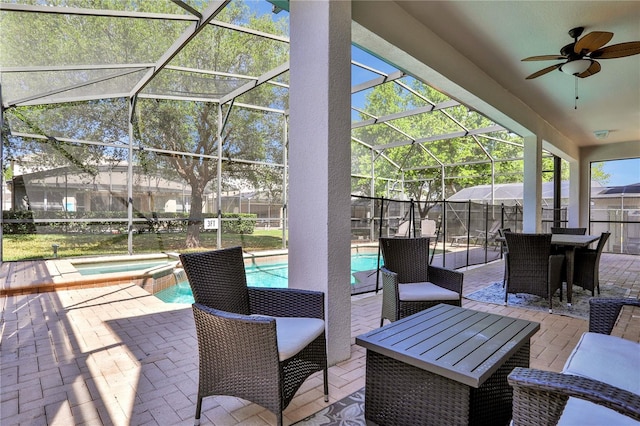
(573,207)
(320,161)
(532,192)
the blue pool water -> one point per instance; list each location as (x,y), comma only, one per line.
(271,275)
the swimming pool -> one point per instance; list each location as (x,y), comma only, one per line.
(273,275)
(114,267)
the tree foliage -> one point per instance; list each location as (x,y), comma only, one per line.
(163,128)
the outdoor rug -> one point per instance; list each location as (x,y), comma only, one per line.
(494,293)
(349,411)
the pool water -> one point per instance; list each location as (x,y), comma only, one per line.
(111,267)
(272,275)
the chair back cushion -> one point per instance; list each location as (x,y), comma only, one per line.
(217,279)
(592,358)
(428,228)
(407,257)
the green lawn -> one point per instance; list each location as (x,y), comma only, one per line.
(36,246)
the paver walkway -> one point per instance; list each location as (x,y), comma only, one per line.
(117,355)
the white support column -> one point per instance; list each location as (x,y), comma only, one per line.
(319,161)
(532,192)
(573,208)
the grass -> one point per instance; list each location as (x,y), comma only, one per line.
(39,246)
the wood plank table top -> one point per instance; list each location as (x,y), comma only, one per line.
(566,239)
(573,240)
(460,344)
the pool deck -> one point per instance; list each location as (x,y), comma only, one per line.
(116,355)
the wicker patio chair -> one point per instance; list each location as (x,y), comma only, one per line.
(410,284)
(531,267)
(539,397)
(587,270)
(259,344)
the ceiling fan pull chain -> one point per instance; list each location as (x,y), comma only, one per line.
(575,104)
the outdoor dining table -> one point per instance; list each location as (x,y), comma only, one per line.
(570,243)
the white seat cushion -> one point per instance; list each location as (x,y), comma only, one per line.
(415,292)
(611,360)
(606,358)
(295,333)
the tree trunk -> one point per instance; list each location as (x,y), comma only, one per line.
(195,220)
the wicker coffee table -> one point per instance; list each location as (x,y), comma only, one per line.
(445,365)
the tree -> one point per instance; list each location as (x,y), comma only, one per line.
(192,127)
(165,125)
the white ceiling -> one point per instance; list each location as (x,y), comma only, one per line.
(496,35)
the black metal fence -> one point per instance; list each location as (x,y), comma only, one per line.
(463,233)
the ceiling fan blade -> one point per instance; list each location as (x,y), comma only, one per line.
(544,58)
(543,71)
(593,69)
(592,41)
(617,50)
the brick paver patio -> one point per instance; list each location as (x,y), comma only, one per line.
(117,355)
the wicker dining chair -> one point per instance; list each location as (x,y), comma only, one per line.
(410,284)
(587,270)
(531,267)
(258,344)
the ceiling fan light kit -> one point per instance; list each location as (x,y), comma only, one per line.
(576,67)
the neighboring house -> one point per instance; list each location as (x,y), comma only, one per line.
(65,189)
(511,194)
(104,189)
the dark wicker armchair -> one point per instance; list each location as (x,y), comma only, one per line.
(531,267)
(410,284)
(259,344)
(539,397)
(587,270)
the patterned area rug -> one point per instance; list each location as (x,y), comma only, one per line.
(494,293)
(349,411)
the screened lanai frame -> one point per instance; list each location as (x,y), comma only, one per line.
(146,78)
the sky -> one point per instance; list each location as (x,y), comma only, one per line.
(623,172)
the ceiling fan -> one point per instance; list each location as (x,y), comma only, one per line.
(580,56)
